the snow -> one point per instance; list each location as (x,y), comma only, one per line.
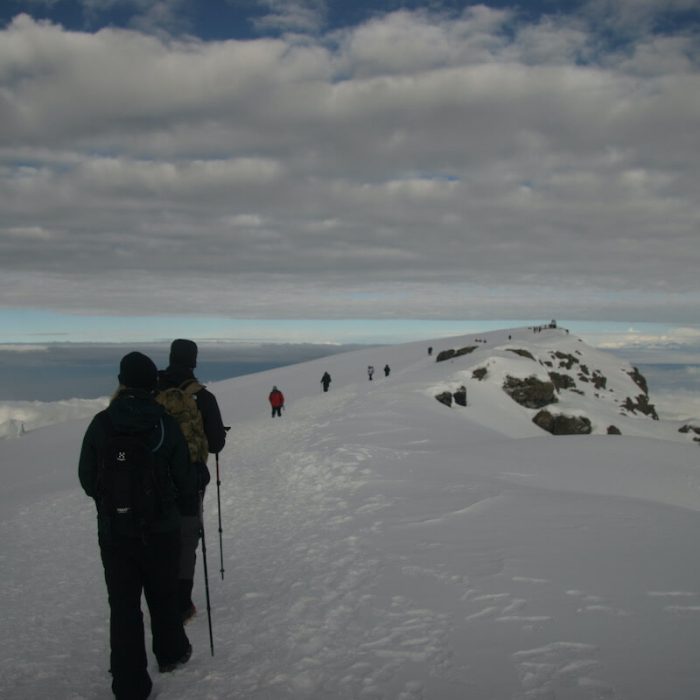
(378,544)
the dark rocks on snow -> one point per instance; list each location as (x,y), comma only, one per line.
(479,373)
(687,428)
(599,380)
(449,354)
(530,392)
(613,430)
(639,379)
(562,424)
(522,353)
(445,397)
(565,360)
(641,404)
(460,396)
(562,381)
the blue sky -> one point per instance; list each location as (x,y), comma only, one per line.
(328,171)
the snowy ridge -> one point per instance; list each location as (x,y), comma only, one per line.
(378,544)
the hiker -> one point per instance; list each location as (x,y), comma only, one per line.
(387,370)
(276,399)
(430,351)
(180,375)
(326,381)
(370,372)
(139,537)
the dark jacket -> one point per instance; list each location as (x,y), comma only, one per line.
(214,429)
(135,411)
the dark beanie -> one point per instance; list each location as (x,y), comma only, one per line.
(137,371)
(183,353)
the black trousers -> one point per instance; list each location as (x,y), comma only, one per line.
(130,567)
(277,411)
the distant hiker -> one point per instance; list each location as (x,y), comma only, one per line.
(387,370)
(276,399)
(370,372)
(326,381)
(197,412)
(430,351)
(133,462)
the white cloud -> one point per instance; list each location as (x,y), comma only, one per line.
(418,149)
(305,16)
(10,347)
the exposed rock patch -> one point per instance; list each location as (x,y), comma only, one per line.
(565,360)
(445,397)
(530,392)
(641,404)
(479,373)
(562,381)
(460,396)
(599,380)
(613,430)
(449,354)
(639,379)
(522,353)
(562,424)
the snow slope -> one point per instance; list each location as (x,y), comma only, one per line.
(378,544)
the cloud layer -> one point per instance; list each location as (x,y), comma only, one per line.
(418,164)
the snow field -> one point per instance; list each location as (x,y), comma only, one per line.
(380,545)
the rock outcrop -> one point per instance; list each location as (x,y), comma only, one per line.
(641,404)
(460,396)
(445,397)
(449,354)
(530,392)
(561,424)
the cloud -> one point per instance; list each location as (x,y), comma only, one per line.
(303,16)
(445,164)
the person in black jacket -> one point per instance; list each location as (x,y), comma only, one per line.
(180,373)
(326,381)
(135,559)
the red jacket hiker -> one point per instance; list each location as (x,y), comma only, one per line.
(276,399)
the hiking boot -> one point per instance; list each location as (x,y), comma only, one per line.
(188,614)
(168,667)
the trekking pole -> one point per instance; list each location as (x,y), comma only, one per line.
(206,572)
(218,500)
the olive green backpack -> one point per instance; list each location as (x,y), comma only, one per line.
(181,403)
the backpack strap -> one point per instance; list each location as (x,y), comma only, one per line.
(190,387)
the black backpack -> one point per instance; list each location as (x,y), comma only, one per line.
(128,485)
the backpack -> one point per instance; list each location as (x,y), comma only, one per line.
(127,481)
(181,404)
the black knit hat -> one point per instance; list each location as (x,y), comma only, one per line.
(137,371)
(183,353)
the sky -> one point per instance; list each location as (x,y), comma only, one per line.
(378,544)
(218,164)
